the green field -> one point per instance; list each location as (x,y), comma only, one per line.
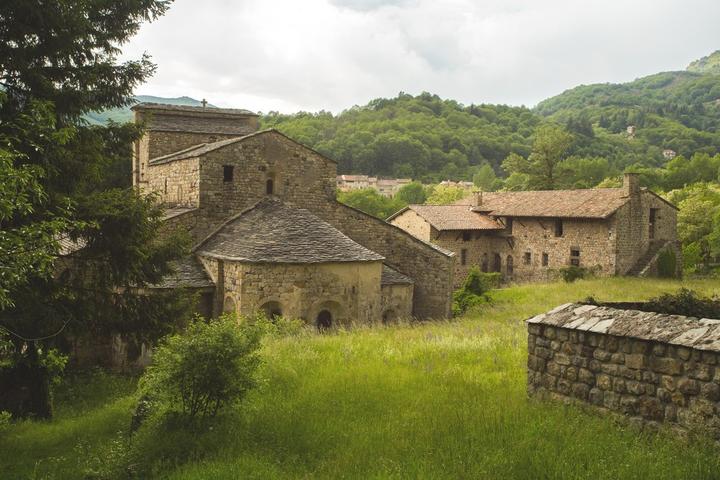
(431,400)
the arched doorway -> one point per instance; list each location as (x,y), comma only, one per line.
(269,186)
(389,316)
(229,305)
(485,263)
(272,310)
(324,320)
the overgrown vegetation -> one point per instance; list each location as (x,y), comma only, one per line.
(474,290)
(685,302)
(431,400)
(203,369)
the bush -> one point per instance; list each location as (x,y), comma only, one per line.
(5,418)
(572,273)
(474,290)
(685,302)
(667,264)
(208,366)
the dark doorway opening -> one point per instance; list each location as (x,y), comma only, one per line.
(324,320)
(269,186)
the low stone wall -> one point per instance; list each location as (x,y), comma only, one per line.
(652,367)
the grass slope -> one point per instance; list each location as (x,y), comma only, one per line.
(431,400)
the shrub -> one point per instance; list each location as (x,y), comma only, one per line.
(208,366)
(474,290)
(685,302)
(572,273)
(667,264)
(5,418)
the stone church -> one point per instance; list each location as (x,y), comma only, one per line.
(529,236)
(268,232)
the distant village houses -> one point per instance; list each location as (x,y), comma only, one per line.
(385,186)
(530,236)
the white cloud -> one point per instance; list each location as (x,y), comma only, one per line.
(331,54)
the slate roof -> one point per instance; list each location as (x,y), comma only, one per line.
(393,277)
(698,333)
(190,108)
(188,273)
(452,217)
(204,148)
(273,232)
(588,203)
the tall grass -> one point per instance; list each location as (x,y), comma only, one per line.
(432,400)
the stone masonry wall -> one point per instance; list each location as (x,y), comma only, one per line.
(176,183)
(651,367)
(430,267)
(631,224)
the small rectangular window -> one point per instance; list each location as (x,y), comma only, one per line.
(545,259)
(228,173)
(574,253)
(558,228)
(527,258)
(575,262)
(463,256)
(575,257)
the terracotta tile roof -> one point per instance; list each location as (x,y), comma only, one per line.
(273,232)
(452,217)
(588,203)
(393,277)
(187,273)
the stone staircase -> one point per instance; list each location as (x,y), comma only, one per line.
(643,262)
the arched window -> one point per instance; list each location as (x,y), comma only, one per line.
(324,320)
(485,265)
(509,265)
(497,263)
(269,186)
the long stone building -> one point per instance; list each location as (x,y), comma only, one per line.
(268,232)
(529,236)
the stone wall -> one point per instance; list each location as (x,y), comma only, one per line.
(649,366)
(631,225)
(349,290)
(176,183)
(430,267)
(396,302)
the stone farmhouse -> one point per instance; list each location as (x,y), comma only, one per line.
(528,236)
(387,187)
(268,232)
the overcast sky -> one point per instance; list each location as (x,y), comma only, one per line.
(332,54)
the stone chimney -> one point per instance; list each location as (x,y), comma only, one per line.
(631,184)
(477,198)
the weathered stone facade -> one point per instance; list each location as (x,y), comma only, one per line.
(649,366)
(622,239)
(203,185)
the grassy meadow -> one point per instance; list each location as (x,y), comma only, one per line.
(430,400)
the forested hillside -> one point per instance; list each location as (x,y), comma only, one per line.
(422,137)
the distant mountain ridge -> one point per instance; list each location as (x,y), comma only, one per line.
(124,114)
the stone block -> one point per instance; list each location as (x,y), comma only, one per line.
(618,358)
(580,390)
(710,391)
(634,387)
(535,329)
(619,385)
(683,353)
(659,350)
(544,353)
(602,355)
(670,413)
(688,386)
(611,400)
(564,386)
(667,366)
(668,383)
(550,333)
(709,358)
(628,404)
(604,382)
(650,408)
(635,361)
(555,345)
(594,366)
(561,359)
(650,377)
(663,395)
(595,396)
(586,376)
(610,369)
(571,373)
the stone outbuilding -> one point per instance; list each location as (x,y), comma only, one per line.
(268,232)
(529,236)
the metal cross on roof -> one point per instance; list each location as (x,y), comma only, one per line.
(204,103)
